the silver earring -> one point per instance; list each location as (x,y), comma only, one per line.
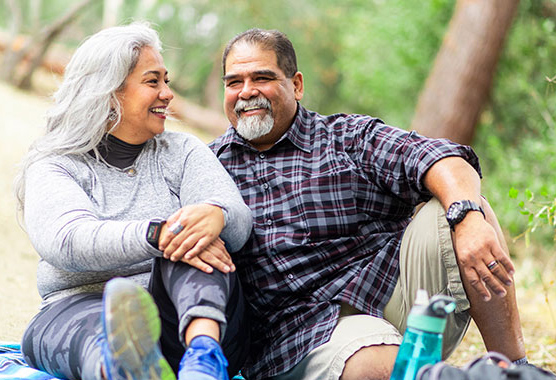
(112,116)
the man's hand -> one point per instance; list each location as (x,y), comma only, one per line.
(477,248)
(475,238)
(191,230)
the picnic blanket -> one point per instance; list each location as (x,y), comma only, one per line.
(13,366)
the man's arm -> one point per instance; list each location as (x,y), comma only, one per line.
(452,179)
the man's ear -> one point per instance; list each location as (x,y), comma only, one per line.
(298,85)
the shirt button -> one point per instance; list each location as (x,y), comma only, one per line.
(262,155)
(269,222)
(131,172)
(290,276)
(265,186)
(273,251)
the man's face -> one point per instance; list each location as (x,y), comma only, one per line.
(259,100)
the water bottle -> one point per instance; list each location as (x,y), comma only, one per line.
(422,341)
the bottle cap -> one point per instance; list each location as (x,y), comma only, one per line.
(430,315)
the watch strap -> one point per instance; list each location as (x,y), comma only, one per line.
(153,232)
(458,211)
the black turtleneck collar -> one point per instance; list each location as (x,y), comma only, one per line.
(118,153)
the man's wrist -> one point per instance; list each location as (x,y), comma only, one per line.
(458,211)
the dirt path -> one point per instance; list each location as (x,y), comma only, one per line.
(22,117)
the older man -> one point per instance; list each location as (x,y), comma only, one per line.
(337,254)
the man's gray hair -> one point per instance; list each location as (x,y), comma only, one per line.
(78,120)
(267,40)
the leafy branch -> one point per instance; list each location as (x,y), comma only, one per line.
(540,210)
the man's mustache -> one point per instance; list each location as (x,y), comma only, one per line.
(258,102)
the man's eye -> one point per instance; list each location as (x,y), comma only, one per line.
(262,79)
(232,83)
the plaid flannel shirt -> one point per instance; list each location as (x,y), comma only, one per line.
(330,202)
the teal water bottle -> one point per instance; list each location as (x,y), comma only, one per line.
(422,341)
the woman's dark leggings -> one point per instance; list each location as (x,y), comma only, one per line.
(63,338)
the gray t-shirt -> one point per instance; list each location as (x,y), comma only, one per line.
(88,220)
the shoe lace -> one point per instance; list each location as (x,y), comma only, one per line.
(208,360)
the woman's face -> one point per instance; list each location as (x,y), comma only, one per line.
(144,99)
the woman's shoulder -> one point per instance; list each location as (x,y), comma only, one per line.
(176,140)
(69,162)
(176,144)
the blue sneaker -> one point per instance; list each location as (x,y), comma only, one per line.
(131,332)
(203,360)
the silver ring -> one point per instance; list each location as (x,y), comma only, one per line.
(175,228)
(492,264)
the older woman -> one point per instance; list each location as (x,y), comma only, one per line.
(107,193)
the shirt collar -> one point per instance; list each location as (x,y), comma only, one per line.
(301,131)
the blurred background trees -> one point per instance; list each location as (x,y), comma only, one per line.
(364,56)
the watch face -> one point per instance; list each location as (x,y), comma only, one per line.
(458,210)
(455,213)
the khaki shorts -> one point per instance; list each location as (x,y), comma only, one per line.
(427,261)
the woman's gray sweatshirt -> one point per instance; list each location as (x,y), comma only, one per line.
(88,220)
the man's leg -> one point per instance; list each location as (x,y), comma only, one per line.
(497,319)
(367,344)
(427,261)
(374,362)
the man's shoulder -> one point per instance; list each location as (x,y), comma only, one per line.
(341,124)
(220,142)
(339,120)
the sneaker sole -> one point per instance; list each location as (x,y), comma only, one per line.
(132,326)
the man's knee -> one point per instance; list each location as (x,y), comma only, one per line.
(371,363)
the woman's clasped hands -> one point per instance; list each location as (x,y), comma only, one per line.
(191,235)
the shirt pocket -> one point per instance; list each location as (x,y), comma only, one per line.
(329,207)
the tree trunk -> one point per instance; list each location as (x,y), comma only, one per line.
(41,42)
(111,10)
(11,57)
(213,85)
(461,78)
(35,14)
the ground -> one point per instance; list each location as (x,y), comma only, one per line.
(22,121)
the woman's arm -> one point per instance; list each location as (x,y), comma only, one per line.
(213,207)
(65,231)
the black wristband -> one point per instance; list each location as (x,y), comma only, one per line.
(153,233)
(458,210)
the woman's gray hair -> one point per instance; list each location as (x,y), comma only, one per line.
(86,98)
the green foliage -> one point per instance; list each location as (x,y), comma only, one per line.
(540,211)
(517,135)
(371,56)
(387,51)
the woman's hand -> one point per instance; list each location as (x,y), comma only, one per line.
(191,230)
(214,256)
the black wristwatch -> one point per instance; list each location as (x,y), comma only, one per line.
(153,232)
(457,211)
